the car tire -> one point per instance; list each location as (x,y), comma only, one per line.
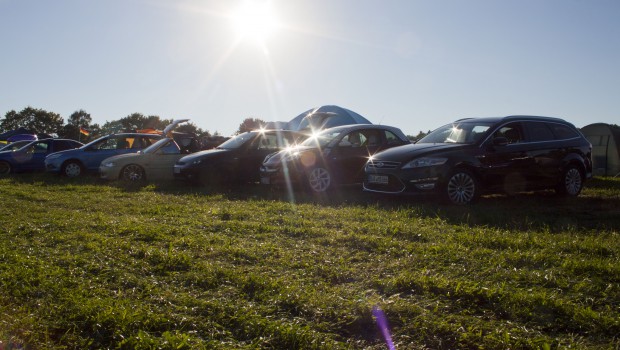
(319,179)
(5,168)
(462,188)
(571,182)
(72,169)
(133,173)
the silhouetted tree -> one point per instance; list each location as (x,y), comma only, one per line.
(79,119)
(250,124)
(37,120)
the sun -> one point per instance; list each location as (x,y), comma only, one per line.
(255,20)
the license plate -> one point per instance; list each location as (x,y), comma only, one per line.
(378,179)
(265,180)
(177,170)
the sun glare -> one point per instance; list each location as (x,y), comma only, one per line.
(255,19)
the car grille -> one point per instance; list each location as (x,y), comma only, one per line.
(382,165)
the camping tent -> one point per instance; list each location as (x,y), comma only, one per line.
(605,140)
(325,117)
(320,118)
(19,131)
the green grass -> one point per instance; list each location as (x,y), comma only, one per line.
(85,264)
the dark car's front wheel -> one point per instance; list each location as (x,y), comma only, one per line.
(5,167)
(72,169)
(461,188)
(133,173)
(571,182)
(319,179)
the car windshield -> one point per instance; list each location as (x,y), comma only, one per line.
(464,133)
(238,140)
(323,138)
(14,146)
(167,145)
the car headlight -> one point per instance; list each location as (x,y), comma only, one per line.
(291,156)
(108,164)
(425,162)
(197,161)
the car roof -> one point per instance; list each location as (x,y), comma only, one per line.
(515,117)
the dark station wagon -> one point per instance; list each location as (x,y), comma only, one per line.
(464,159)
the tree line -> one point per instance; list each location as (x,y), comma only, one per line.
(41,121)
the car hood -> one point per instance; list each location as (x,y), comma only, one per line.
(406,152)
(204,154)
(68,152)
(276,158)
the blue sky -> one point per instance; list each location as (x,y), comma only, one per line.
(412,64)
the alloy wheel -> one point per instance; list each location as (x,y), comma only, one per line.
(573,181)
(133,173)
(461,188)
(319,179)
(73,169)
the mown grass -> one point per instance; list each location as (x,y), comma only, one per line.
(85,264)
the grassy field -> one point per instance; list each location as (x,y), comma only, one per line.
(85,264)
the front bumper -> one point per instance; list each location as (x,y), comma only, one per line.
(395,180)
(108,173)
(182,172)
(53,167)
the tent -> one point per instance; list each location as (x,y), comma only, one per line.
(320,118)
(326,117)
(605,140)
(19,131)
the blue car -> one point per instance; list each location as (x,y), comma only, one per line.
(31,157)
(76,162)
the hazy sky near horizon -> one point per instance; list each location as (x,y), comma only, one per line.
(408,63)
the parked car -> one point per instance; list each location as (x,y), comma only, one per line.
(31,156)
(333,156)
(462,160)
(74,163)
(155,162)
(236,160)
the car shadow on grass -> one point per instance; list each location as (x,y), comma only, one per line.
(597,208)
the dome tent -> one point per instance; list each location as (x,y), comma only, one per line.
(326,117)
(605,140)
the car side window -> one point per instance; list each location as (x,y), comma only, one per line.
(268,142)
(563,132)
(391,139)
(147,141)
(40,147)
(354,139)
(513,132)
(63,145)
(539,131)
(109,143)
(170,148)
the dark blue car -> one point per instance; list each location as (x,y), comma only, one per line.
(31,157)
(74,163)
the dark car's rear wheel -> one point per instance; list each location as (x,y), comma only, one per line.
(133,173)
(5,167)
(571,182)
(462,188)
(72,169)
(319,179)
